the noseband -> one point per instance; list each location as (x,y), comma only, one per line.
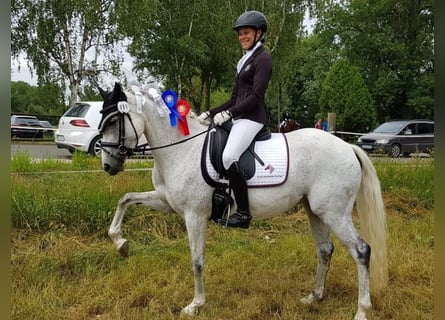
(120,110)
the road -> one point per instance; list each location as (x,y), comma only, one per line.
(49,150)
(40,150)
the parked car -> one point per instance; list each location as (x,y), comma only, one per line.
(48,128)
(25,127)
(78,128)
(400,138)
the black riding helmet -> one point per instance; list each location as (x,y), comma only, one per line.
(254,19)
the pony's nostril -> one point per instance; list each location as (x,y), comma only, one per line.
(107,167)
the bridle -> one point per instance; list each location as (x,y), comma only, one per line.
(120,110)
(123,151)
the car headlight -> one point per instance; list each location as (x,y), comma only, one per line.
(359,139)
(382,141)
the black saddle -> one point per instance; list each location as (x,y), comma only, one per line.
(215,142)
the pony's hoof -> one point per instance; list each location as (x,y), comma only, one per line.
(360,317)
(189,311)
(124,249)
(193,308)
(309,299)
(361,314)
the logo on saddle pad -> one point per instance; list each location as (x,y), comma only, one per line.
(264,164)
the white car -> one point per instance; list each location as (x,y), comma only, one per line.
(78,129)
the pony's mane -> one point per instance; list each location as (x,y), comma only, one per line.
(143,90)
(147,93)
(140,95)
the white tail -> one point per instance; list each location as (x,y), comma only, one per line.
(372,217)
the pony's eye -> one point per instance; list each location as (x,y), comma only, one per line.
(112,121)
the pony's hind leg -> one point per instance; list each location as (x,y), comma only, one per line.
(151,199)
(361,253)
(325,248)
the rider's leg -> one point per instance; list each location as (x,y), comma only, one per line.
(241,136)
(241,218)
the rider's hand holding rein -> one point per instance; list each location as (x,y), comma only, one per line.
(222,117)
(218,119)
(204,118)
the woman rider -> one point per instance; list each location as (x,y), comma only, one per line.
(246,108)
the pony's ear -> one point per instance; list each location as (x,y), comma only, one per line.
(102,92)
(117,88)
(118,93)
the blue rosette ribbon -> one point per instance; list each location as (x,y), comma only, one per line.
(170,99)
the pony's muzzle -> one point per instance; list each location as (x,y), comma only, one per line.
(110,170)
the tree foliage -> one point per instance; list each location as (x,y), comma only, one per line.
(392,43)
(63,39)
(193,48)
(309,66)
(344,93)
(190,47)
(45,99)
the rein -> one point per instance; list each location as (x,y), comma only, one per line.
(178,142)
(123,150)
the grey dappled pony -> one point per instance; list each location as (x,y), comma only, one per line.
(326,174)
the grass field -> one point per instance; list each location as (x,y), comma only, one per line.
(65,267)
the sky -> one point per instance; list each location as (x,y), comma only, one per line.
(20,70)
(22,73)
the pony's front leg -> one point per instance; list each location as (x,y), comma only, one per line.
(196,229)
(151,199)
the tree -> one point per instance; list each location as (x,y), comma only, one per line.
(193,49)
(344,93)
(45,99)
(63,39)
(309,64)
(392,43)
(185,46)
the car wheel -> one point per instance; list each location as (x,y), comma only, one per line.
(395,150)
(95,148)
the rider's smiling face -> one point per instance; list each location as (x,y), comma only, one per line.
(246,37)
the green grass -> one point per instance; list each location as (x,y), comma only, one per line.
(65,267)
(412,179)
(77,196)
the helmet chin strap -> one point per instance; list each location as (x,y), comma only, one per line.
(256,40)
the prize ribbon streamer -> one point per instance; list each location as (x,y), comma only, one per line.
(170,98)
(183,108)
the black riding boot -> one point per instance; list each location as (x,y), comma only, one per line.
(241,218)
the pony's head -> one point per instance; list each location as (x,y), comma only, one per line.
(121,127)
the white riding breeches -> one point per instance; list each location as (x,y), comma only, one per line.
(240,137)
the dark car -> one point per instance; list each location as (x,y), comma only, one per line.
(400,138)
(26,127)
(48,128)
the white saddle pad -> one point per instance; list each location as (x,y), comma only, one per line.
(275,155)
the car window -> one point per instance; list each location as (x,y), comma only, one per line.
(389,127)
(26,120)
(77,111)
(45,124)
(425,128)
(408,130)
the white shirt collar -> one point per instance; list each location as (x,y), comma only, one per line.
(247,56)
